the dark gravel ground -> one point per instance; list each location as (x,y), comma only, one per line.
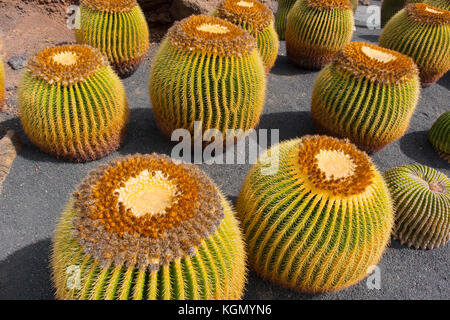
(38,186)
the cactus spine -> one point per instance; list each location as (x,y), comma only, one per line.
(72,105)
(422,204)
(118,29)
(321,220)
(439,135)
(207,70)
(284,6)
(367,94)
(144,227)
(258,20)
(421,32)
(442,4)
(316,30)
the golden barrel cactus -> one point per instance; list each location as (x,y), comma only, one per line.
(322,221)
(258,20)
(207,70)
(72,104)
(368,94)
(147,227)
(118,29)
(316,30)
(423,33)
(439,135)
(284,6)
(422,205)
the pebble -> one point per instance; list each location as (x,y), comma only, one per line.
(18,62)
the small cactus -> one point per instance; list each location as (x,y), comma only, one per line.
(368,94)
(421,32)
(316,30)
(439,135)
(207,70)
(72,104)
(422,204)
(321,221)
(284,6)
(147,227)
(258,20)
(118,29)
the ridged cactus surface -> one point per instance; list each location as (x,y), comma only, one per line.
(316,30)
(442,4)
(258,20)
(439,135)
(2,84)
(284,6)
(421,198)
(207,70)
(118,28)
(423,33)
(145,227)
(322,221)
(368,94)
(72,105)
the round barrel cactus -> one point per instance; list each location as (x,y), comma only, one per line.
(258,20)
(421,198)
(439,135)
(72,104)
(442,4)
(118,29)
(2,83)
(316,30)
(321,221)
(390,7)
(368,94)
(284,6)
(207,70)
(421,32)
(147,227)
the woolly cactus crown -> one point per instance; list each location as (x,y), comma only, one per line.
(210,35)
(251,13)
(66,65)
(330,4)
(110,5)
(145,210)
(425,13)
(375,63)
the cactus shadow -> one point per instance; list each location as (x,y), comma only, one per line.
(292,124)
(25,274)
(284,67)
(445,81)
(415,145)
(369,37)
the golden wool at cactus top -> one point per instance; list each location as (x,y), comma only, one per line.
(147,227)
(322,221)
(118,28)
(207,70)
(72,104)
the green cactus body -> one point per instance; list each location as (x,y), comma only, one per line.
(258,20)
(2,84)
(439,135)
(442,4)
(321,221)
(118,29)
(354,4)
(421,32)
(316,30)
(207,70)
(368,94)
(390,7)
(284,6)
(421,198)
(72,104)
(145,227)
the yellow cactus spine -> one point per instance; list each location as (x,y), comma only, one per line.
(145,227)
(321,221)
(72,105)
(118,29)
(316,30)
(439,135)
(284,6)
(207,70)
(258,20)
(421,32)
(368,94)
(422,204)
